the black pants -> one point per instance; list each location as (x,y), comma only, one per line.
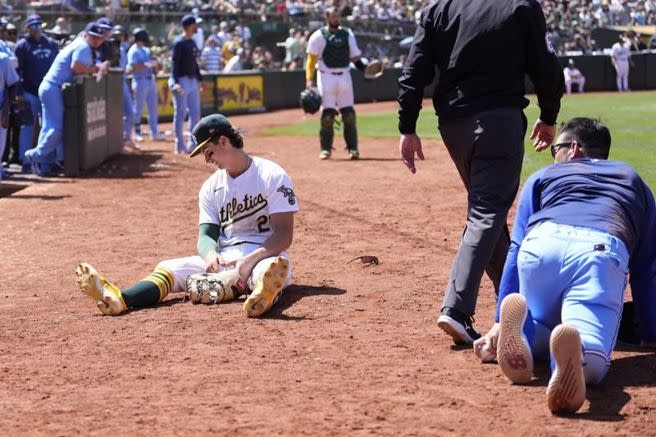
(488,149)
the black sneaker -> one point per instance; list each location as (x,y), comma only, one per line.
(458,326)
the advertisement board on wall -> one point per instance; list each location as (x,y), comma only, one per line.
(237,93)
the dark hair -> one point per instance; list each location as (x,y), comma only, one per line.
(592,136)
(233,135)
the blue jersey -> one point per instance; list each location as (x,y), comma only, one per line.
(34,60)
(8,75)
(4,48)
(185,54)
(600,194)
(139,55)
(123,56)
(61,70)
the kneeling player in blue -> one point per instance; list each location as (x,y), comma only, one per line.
(246,224)
(582,225)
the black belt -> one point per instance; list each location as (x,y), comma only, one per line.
(334,73)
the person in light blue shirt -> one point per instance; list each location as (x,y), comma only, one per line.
(128,107)
(143,83)
(8,83)
(75,59)
(582,225)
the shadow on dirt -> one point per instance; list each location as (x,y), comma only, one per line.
(296,292)
(132,165)
(608,398)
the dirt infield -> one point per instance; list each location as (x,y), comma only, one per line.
(349,350)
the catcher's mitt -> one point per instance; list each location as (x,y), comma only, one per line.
(374,70)
(211,288)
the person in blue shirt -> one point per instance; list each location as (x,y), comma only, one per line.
(75,59)
(143,83)
(8,84)
(128,108)
(582,225)
(35,53)
(185,83)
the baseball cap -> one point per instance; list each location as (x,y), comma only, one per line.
(34,22)
(188,20)
(207,128)
(94,29)
(105,23)
(118,30)
(140,34)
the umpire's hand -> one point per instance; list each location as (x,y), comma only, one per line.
(543,135)
(408,146)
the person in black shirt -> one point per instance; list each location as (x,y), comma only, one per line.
(483,50)
(185,83)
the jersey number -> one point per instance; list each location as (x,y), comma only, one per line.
(262,222)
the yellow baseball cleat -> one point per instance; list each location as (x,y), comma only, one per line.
(107,296)
(268,287)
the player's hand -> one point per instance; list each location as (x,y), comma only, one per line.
(309,84)
(213,262)
(177,88)
(409,145)
(243,266)
(201,87)
(542,135)
(491,339)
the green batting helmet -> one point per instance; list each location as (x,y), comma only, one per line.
(310,101)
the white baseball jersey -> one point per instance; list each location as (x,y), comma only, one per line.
(317,43)
(241,206)
(621,52)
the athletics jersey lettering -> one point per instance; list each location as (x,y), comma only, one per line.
(242,206)
(232,212)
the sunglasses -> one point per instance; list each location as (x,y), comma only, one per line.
(556,147)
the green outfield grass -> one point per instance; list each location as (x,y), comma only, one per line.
(631,118)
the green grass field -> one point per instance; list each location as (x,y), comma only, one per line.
(631,118)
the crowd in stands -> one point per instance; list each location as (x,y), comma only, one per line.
(570,22)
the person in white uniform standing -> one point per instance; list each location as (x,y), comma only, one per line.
(246,224)
(621,57)
(573,76)
(333,48)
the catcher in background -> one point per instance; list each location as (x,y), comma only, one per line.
(334,47)
(246,223)
(581,226)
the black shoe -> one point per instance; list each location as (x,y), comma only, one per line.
(458,326)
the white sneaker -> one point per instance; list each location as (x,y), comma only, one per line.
(513,351)
(159,137)
(566,390)
(138,138)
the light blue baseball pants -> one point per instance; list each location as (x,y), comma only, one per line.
(188,100)
(574,275)
(145,92)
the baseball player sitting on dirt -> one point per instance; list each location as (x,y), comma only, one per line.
(582,224)
(246,223)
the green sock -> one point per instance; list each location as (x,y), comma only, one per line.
(140,295)
(150,290)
